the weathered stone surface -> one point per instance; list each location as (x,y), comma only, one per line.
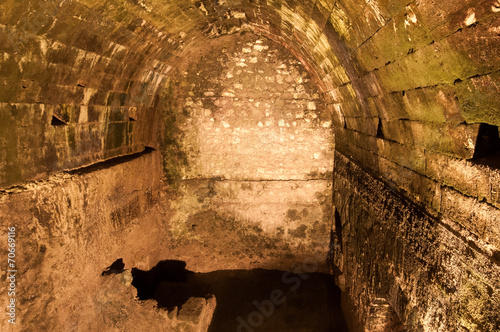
(407,85)
(69,228)
(479,218)
(382,317)
(258,150)
(391,249)
(196,314)
(465,176)
(69,73)
(121,311)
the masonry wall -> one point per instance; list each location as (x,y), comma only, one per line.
(68,230)
(412,88)
(249,142)
(76,88)
(435,275)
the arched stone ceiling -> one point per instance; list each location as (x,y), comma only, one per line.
(419,73)
(361,49)
(413,88)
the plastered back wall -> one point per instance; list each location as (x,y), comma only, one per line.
(255,114)
(256,142)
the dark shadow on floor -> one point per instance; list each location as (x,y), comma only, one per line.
(249,300)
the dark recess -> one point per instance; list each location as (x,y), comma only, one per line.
(111,162)
(380,133)
(487,149)
(115,268)
(57,122)
(309,301)
(487,142)
(338,228)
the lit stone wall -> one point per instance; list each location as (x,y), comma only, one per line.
(412,88)
(76,88)
(402,253)
(257,144)
(69,229)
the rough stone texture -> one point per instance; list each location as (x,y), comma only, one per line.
(69,228)
(120,311)
(434,273)
(195,315)
(66,100)
(421,61)
(258,150)
(409,85)
(382,317)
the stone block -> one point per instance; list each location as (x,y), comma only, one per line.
(458,142)
(362,124)
(196,314)
(388,106)
(464,176)
(397,130)
(338,24)
(446,17)
(478,99)
(479,45)
(373,17)
(339,76)
(433,104)
(478,217)
(403,35)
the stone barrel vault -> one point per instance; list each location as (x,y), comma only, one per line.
(255,134)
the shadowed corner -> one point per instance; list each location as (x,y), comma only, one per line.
(248,300)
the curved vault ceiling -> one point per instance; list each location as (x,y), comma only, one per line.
(419,73)
(412,86)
